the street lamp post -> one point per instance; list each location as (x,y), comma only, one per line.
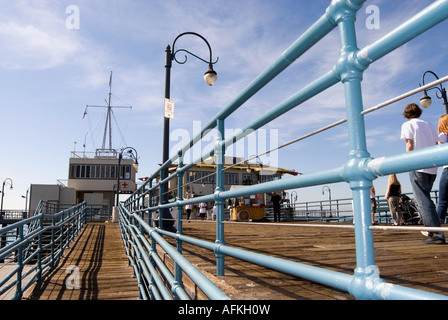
(26,202)
(120,156)
(7,181)
(329,195)
(210,78)
(426,101)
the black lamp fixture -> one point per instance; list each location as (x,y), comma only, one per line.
(426,100)
(7,181)
(210,78)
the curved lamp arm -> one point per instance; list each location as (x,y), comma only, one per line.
(210,75)
(426,101)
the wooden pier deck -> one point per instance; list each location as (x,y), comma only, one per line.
(105,275)
(400,256)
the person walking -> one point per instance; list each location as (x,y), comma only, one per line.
(373,204)
(443,183)
(188,209)
(202,210)
(276,201)
(393,194)
(420,134)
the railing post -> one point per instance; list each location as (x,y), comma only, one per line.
(180,197)
(142,206)
(53,225)
(39,254)
(220,160)
(19,292)
(150,213)
(61,221)
(351,77)
(161,195)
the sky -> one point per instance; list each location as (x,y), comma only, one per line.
(56,58)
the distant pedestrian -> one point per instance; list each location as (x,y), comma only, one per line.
(202,210)
(188,209)
(393,194)
(214,212)
(373,204)
(420,134)
(276,201)
(443,184)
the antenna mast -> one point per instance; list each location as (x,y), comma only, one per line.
(107,151)
(108,118)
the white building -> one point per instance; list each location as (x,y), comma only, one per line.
(93,180)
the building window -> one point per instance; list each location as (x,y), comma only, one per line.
(127,172)
(231,178)
(205,177)
(104,172)
(247,179)
(270,177)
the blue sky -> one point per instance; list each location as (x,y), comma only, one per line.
(49,73)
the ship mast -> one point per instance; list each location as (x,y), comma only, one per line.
(107,150)
(108,119)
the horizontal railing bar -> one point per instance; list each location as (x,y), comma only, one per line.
(409,228)
(359,171)
(208,287)
(434,14)
(152,271)
(337,123)
(70,220)
(405,95)
(342,121)
(313,35)
(164,270)
(18,224)
(300,225)
(404,33)
(338,280)
(284,107)
(308,39)
(409,30)
(430,157)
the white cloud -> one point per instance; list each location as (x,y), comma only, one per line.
(27,47)
(34,38)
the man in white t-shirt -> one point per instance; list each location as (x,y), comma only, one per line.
(420,134)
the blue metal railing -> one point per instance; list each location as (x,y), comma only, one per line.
(359,171)
(36,244)
(143,256)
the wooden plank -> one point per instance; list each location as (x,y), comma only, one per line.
(400,256)
(104,274)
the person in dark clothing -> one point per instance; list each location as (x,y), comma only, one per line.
(393,194)
(276,201)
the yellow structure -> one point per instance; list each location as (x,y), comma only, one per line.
(201,180)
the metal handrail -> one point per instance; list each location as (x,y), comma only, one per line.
(141,253)
(359,171)
(30,265)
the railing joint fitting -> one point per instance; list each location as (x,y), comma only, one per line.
(343,10)
(218,247)
(356,169)
(365,283)
(176,285)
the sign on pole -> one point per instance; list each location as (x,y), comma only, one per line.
(169,109)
